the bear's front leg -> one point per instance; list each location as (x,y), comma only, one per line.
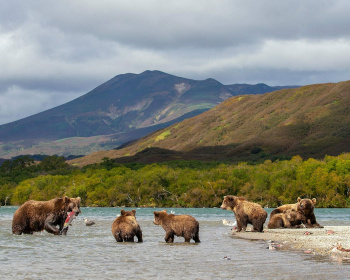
(313,222)
(239,224)
(49,227)
(317,225)
(244,223)
(64,232)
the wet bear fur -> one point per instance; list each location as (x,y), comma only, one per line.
(246,212)
(179,225)
(33,216)
(125,227)
(303,206)
(288,219)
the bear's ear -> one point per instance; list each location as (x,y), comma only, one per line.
(156,213)
(134,211)
(122,212)
(66,199)
(299,199)
(79,199)
(314,201)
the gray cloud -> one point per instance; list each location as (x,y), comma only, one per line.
(52,52)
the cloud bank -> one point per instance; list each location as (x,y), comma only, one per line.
(53,52)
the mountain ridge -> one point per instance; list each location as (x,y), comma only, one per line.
(310,121)
(121,105)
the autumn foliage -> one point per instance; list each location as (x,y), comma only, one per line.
(185,183)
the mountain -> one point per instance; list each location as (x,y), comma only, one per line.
(310,121)
(124,108)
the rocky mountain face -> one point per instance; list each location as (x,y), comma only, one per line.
(310,121)
(124,108)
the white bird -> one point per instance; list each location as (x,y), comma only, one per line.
(88,222)
(229,223)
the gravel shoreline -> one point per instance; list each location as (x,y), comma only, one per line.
(332,241)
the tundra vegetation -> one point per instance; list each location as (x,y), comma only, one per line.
(178,183)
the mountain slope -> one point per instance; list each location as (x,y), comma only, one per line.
(308,121)
(124,108)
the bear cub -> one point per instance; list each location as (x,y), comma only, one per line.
(290,218)
(125,227)
(179,225)
(306,209)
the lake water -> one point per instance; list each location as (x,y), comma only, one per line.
(93,253)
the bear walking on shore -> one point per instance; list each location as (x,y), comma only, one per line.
(125,227)
(35,216)
(179,225)
(246,212)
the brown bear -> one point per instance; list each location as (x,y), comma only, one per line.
(35,216)
(305,207)
(290,218)
(125,227)
(246,212)
(179,225)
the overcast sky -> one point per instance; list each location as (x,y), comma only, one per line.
(54,51)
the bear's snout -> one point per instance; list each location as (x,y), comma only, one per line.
(77,212)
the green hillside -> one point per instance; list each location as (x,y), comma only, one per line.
(310,121)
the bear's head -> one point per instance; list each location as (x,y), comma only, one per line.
(290,214)
(230,202)
(158,216)
(306,205)
(72,204)
(128,213)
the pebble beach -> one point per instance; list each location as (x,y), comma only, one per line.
(332,241)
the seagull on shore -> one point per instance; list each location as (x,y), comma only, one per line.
(88,222)
(229,223)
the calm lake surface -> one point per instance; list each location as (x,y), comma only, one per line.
(93,253)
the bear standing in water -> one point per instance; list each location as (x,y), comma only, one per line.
(35,216)
(179,225)
(125,227)
(246,212)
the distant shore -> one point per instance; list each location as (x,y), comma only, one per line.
(332,241)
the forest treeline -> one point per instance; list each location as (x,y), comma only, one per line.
(178,183)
